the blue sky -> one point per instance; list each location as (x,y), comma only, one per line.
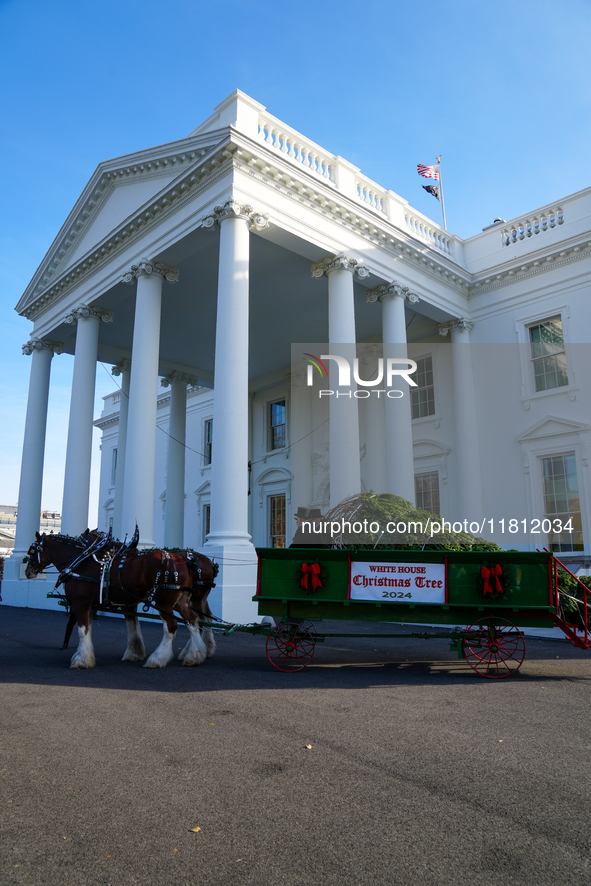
(500,89)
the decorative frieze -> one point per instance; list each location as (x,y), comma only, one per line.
(37,344)
(145,266)
(377,294)
(181,377)
(462,324)
(233,209)
(340,262)
(103,314)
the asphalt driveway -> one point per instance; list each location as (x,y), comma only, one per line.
(418,771)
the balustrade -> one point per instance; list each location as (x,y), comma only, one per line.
(527,227)
(434,236)
(291,144)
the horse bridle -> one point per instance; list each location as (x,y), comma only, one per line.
(36,548)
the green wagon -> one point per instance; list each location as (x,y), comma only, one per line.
(493,593)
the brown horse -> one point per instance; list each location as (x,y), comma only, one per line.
(202,570)
(135,577)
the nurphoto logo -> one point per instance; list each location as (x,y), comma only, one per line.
(396,367)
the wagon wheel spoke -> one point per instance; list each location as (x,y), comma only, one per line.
(289,648)
(494,648)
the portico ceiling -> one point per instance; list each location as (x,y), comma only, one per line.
(286,306)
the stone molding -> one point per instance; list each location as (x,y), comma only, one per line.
(181,377)
(103,314)
(339,262)
(38,344)
(463,324)
(122,366)
(145,266)
(233,209)
(380,292)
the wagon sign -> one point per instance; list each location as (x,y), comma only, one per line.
(407,582)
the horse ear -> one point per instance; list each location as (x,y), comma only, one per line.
(37,536)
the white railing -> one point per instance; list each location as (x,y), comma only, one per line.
(371,195)
(421,227)
(298,149)
(528,227)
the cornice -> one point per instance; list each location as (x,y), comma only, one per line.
(108,422)
(530,266)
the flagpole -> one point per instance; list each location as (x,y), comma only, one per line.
(441,192)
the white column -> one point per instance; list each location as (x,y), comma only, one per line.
(80,428)
(300,427)
(174,510)
(397,411)
(31,479)
(229,538)
(229,463)
(138,482)
(467,449)
(123,369)
(345,471)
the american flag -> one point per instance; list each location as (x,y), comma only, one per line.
(428,171)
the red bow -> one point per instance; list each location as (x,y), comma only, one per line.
(488,574)
(314,570)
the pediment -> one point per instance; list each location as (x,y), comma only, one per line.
(552,426)
(274,475)
(116,192)
(428,449)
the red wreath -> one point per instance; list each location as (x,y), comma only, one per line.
(310,571)
(492,582)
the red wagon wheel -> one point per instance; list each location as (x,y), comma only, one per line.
(290,647)
(494,647)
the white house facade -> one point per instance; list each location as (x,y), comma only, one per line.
(215,271)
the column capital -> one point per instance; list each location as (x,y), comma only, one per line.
(462,324)
(386,289)
(234,209)
(103,314)
(339,262)
(38,344)
(181,377)
(145,266)
(122,366)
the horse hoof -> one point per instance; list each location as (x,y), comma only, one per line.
(78,664)
(192,661)
(156,663)
(132,656)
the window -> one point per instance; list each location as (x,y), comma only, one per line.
(548,354)
(206,521)
(423,396)
(113,466)
(427,492)
(561,501)
(277,520)
(277,425)
(207,440)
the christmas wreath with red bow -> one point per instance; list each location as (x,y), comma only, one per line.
(311,576)
(492,580)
